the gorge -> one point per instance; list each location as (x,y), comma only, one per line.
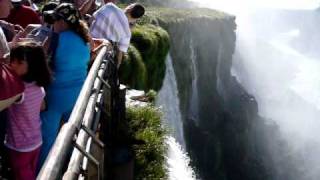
(246,91)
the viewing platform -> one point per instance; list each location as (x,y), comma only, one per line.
(79,151)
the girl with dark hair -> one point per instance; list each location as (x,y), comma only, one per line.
(23,131)
(70,70)
(33,56)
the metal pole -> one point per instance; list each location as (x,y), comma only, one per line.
(74,168)
(52,168)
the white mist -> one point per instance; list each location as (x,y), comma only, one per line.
(273,64)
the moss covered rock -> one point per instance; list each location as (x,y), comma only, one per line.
(165,17)
(153,44)
(133,70)
(144,66)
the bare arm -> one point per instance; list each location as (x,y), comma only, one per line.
(97,43)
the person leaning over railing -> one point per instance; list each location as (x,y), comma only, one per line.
(69,69)
(112,23)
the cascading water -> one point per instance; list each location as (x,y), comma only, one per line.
(177,159)
(169,102)
(273,64)
(194,100)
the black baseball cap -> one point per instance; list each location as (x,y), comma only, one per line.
(66,12)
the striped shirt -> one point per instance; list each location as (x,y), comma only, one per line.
(111,23)
(24,125)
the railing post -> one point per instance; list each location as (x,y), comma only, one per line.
(60,152)
(77,134)
(114,119)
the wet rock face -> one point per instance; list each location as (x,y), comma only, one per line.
(219,134)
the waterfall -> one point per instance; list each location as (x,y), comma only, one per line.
(274,64)
(193,113)
(177,158)
(285,81)
(169,102)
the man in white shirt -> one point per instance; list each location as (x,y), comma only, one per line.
(112,23)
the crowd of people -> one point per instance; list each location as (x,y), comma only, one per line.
(44,57)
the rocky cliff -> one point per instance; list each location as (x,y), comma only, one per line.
(224,135)
(221,122)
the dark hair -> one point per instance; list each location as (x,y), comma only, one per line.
(137,11)
(48,7)
(34,55)
(82,30)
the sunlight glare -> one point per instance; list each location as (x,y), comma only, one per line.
(240,4)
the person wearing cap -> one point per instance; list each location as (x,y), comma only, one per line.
(69,67)
(22,15)
(84,6)
(113,24)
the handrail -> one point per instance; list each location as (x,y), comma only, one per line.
(56,160)
(74,170)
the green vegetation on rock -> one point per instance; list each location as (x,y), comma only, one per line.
(133,70)
(153,44)
(145,124)
(144,67)
(165,16)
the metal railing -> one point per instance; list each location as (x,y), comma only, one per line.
(76,136)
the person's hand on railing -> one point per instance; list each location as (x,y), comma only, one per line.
(96,45)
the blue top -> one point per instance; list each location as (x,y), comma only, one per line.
(71,60)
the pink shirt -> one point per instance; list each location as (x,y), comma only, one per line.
(24,125)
